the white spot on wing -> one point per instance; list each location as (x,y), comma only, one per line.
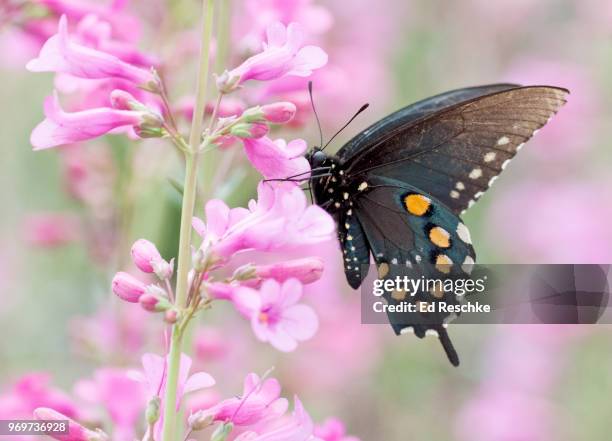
(503,140)
(489,157)
(464,233)
(454,194)
(468,265)
(460,186)
(407,330)
(476,173)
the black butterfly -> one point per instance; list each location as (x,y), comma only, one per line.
(397,189)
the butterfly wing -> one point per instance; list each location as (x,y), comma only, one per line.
(407,229)
(455,152)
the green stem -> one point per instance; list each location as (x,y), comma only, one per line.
(184,253)
(200,104)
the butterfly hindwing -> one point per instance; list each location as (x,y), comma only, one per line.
(454,154)
(410,233)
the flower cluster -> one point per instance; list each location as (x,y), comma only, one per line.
(258,413)
(104,84)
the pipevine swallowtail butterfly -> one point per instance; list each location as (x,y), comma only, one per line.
(397,189)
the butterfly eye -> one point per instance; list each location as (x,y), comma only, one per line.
(317,159)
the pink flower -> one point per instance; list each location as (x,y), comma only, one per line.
(306,270)
(61,55)
(259,400)
(275,315)
(148,260)
(128,287)
(61,127)
(125,26)
(279,113)
(256,15)
(284,54)
(281,219)
(333,430)
(298,427)
(123,398)
(154,377)
(97,34)
(76,432)
(506,414)
(569,223)
(51,229)
(31,391)
(155,372)
(277,159)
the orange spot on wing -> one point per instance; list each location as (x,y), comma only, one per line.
(443,263)
(439,237)
(417,204)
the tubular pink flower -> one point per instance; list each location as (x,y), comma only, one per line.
(124,26)
(275,315)
(299,427)
(61,127)
(281,219)
(76,432)
(284,54)
(306,270)
(278,159)
(145,255)
(333,430)
(154,377)
(259,401)
(61,55)
(279,113)
(128,287)
(123,398)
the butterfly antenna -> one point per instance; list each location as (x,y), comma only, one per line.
(315,113)
(361,109)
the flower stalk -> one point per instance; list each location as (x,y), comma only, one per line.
(184,253)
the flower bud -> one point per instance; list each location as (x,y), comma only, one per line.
(152,411)
(245,272)
(200,420)
(128,287)
(153,303)
(279,113)
(171,316)
(144,131)
(76,432)
(306,270)
(249,130)
(222,432)
(122,100)
(144,254)
(227,83)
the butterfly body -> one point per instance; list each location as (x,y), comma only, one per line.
(397,189)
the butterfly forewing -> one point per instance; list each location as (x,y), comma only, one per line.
(455,153)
